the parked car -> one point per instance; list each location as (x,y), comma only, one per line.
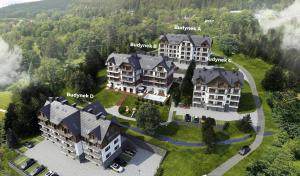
(27,164)
(196,120)
(188,118)
(244,150)
(121,162)
(38,170)
(28,145)
(141,89)
(130,152)
(51,173)
(117,168)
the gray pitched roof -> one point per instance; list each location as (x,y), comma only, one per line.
(79,122)
(119,59)
(145,62)
(176,39)
(208,75)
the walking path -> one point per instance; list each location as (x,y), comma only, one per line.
(3,110)
(222,169)
(115,112)
(191,144)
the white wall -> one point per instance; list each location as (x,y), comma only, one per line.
(111,146)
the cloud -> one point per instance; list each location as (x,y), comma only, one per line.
(4,3)
(288,18)
(10,63)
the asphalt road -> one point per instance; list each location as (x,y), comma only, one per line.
(222,169)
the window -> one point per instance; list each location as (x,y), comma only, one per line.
(107,148)
(108,155)
(117,140)
(116,147)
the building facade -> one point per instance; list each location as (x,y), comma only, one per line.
(128,73)
(82,134)
(184,48)
(217,89)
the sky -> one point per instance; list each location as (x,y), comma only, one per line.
(4,3)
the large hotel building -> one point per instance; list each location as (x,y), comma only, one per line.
(217,89)
(183,48)
(128,72)
(82,134)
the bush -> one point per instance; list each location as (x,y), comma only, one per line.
(122,109)
(245,124)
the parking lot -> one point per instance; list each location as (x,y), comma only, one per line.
(144,163)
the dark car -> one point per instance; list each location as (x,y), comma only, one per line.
(28,144)
(38,170)
(244,150)
(196,120)
(121,162)
(27,164)
(188,118)
(130,152)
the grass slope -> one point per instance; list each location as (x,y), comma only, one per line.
(247,103)
(5,99)
(257,68)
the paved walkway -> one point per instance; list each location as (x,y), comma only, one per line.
(228,116)
(222,169)
(115,112)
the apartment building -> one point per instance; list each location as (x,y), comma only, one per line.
(217,89)
(82,134)
(184,48)
(129,73)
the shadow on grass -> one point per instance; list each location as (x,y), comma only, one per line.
(168,130)
(247,103)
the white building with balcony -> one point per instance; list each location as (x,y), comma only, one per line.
(217,89)
(127,73)
(184,48)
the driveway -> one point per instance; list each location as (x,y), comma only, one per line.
(143,163)
(222,169)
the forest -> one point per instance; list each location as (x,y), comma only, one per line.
(66,42)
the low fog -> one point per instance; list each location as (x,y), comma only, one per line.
(10,63)
(289,18)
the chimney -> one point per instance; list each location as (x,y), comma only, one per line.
(90,110)
(50,99)
(64,102)
(98,116)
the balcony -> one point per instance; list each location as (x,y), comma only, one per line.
(197,94)
(94,160)
(112,70)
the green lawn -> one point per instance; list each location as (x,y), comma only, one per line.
(181,132)
(5,99)
(2,114)
(132,101)
(107,98)
(34,139)
(32,168)
(247,103)
(20,160)
(258,68)
(191,161)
